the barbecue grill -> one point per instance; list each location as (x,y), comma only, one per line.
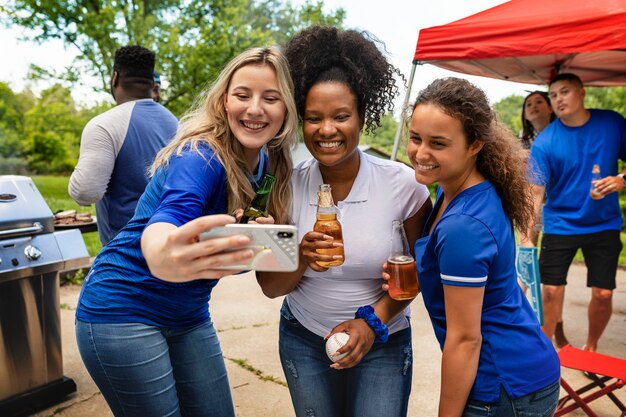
(31,256)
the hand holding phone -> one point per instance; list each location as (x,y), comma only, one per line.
(275,246)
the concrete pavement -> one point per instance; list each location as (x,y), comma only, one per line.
(248,329)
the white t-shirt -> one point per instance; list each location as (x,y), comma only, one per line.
(383,191)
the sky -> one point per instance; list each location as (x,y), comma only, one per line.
(395,22)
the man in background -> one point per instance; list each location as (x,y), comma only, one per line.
(561,162)
(118,146)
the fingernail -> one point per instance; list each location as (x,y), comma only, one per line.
(248,254)
(337,257)
(243,239)
(337,244)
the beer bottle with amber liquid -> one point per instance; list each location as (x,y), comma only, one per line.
(327,223)
(258,206)
(595,176)
(401,266)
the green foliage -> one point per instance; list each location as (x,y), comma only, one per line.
(613,98)
(12,108)
(73,277)
(52,130)
(509,111)
(383,137)
(193,39)
(13,166)
(41,134)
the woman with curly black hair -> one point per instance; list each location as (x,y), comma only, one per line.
(343,83)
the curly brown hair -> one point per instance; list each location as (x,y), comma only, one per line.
(500,160)
(327,54)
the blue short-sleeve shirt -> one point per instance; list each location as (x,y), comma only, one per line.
(119,288)
(473,245)
(562,158)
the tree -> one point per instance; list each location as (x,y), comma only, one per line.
(613,98)
(509,111)
(193,39)
(52,129)
(382,138)
(12,108)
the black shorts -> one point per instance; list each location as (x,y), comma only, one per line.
(600,250)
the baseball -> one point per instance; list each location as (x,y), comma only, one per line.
(333,344)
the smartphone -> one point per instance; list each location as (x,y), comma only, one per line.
(275,246)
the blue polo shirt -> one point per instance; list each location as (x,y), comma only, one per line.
(119,287)
(561,159)
(473,245)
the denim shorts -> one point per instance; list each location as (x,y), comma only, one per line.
(378,386)
(541,403)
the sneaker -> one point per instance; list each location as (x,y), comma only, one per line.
(559,336)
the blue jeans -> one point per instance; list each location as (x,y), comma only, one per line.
(378,386)
(143,370)
(541,403)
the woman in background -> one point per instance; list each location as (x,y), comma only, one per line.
(537,113)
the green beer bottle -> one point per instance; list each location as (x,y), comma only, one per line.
(258,206)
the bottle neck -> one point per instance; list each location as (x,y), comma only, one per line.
(262,196)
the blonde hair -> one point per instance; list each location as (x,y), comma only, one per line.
(207,122)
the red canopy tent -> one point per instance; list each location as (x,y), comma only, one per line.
(530,41)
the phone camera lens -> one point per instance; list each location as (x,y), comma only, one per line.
(285,234)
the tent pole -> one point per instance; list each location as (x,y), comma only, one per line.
(396,140)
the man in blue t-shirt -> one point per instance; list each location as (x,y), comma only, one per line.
(561,163)
(118,146)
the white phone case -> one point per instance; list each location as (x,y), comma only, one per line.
(275,246)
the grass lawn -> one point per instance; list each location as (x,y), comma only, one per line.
(54,191)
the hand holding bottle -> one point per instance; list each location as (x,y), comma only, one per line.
(328,224)
(316,248)
(399,271)
(600,187)
(258,207)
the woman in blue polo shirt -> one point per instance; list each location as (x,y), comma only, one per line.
(496,361)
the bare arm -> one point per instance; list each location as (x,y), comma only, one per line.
(461,350)
(414,225)
(529,238)
(174,253)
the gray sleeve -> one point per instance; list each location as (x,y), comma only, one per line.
(100,144)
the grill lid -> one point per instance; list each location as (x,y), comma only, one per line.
(22,207)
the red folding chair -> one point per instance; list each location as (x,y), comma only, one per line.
(610,374)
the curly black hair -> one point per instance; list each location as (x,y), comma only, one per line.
(322,53)
(134,61)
